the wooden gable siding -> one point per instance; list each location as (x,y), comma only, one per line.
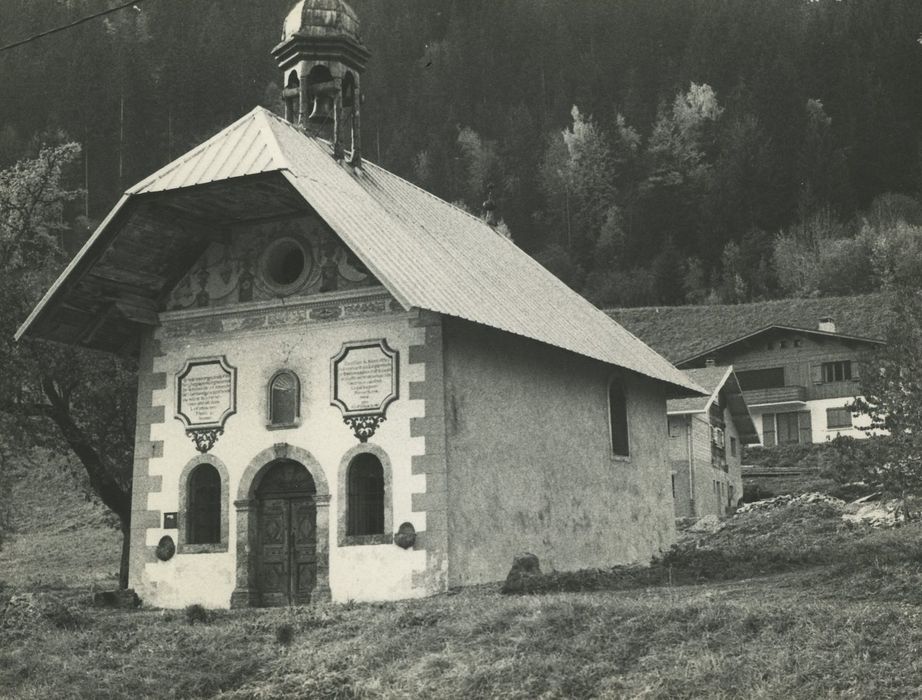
(802,365)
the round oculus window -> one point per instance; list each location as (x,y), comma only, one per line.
(286,264)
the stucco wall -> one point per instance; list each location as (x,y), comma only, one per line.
(679,455)
(530,465)
(818,423)
(259,339)
(734,462)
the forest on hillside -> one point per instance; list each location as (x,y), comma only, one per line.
(646,151)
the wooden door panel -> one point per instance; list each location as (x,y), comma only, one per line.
(273,573)
(304,548)
(287,549)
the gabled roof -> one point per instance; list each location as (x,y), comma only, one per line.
(426,252)
(713,380)
(776,329)
(681,332)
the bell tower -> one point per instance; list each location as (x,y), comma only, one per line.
(322,58)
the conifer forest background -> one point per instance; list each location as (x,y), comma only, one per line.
(646,151)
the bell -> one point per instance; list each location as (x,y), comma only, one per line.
(322,112)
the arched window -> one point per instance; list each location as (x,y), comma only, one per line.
(617,419)
(284,398)
(365,488)
(204,511)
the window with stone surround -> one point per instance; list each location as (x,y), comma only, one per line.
(365,496)
(284,399)
(203,506)
(204,510)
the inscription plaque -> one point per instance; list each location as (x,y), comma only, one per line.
(365,383)
(206,396)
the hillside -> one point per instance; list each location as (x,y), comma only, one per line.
(59,539)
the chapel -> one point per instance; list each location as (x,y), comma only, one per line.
(348,388)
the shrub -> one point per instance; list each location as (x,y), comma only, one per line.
(197,613)
(285,634)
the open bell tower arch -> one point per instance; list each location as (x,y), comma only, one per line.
(322,58)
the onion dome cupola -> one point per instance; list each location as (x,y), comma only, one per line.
(322,57)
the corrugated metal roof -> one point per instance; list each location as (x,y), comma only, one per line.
(428,253)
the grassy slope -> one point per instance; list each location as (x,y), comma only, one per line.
(841,620)
(59,538)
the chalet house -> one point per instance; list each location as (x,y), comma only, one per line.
(706,439)
(797,361)
(349,388)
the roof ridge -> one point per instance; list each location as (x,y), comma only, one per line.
(275,147)
(186,157)
(689,307)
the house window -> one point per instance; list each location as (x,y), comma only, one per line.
(673,485)
(675,426)
(761,378)
(365,504)
(837,371)
(204,509)
(617,419)
(838,418)
(788,428)
(284,399)
(733,447)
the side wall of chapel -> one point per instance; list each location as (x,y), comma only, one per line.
(530,461)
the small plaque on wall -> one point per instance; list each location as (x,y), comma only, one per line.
(364,383)
(170,521)
(206,396)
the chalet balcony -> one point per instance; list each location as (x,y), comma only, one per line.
(776,395)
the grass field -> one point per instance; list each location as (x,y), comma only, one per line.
(788,603)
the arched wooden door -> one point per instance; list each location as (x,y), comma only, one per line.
(286,535)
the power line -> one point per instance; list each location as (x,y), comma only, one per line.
(71,25)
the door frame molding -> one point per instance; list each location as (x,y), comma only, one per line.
(246,593)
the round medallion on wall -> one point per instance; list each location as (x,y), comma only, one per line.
(285,265)
(166,548)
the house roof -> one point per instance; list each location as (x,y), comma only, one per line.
(712,380)
(681,333)
(776,329)
(426,252)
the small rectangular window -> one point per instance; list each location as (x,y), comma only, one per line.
(788,428)
(838,418)
(675,426)
(617,417)
(673,485)
(733,446)
(837,371)
(761,378)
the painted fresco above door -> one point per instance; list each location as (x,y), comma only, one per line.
(261,262)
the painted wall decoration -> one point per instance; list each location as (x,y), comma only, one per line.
(364,379)
(206,396)
(260,262)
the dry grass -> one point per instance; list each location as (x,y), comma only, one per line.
(786,603)
(768,638)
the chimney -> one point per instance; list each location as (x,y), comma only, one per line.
(489,208)
(710,362)
(827,324)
